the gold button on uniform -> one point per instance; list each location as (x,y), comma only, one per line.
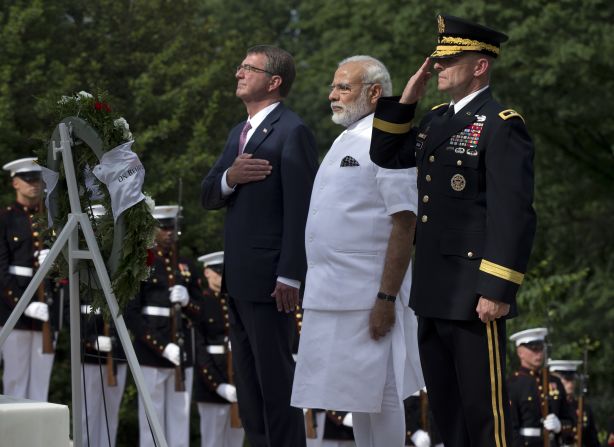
(431,158)
(459,162)
(470,254)
(425,198)
(425,218)
(428,178)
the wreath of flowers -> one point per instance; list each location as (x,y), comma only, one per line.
(139,225)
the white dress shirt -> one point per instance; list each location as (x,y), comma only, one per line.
(466,100)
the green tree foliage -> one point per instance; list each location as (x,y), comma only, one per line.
(169,67)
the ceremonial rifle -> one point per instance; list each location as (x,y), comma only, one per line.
(546,434)
(40,293)
(582,391)
(235,419)
(176,323)
(111,378)
(424,411)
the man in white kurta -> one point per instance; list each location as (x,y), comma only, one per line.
(358,349)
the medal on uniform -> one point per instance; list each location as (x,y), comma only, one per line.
(458,182)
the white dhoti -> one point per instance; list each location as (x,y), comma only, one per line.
(340,367)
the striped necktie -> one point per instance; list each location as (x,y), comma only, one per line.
(243,136)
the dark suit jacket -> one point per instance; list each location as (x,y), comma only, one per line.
(265,220)
(475,217)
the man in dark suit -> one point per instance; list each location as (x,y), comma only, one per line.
(475,228)
(264,178)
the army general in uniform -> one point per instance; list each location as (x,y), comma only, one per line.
(475,228)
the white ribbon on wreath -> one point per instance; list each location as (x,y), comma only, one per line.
(123,173)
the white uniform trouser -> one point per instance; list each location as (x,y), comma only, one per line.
(331,443)
(95,427)
(386,428)
(215,429)
(171,407)
(320,421)
(27,370)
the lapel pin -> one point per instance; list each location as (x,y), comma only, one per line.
(469,113)
(265,130)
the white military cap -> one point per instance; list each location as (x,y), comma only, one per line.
(98,210)
(212,259)
(564,365)
(165,212)
(529,335)
(22,165)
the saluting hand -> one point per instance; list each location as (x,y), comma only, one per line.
(286,297)
(246,169)
(489,309)
(416,86)
(381,318)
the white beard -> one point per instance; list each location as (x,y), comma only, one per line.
(351,112)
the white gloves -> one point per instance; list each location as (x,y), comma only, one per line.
(41,255)
(552,423)
(172,353)
(103,343)
(227,391)
(420,438)
(37,310)
(179,294)
(347,420)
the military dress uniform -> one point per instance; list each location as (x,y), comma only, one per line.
(336,434)
(526,391)
(415,420)
(148,316)
(474,232)
(104,379)
(211,370)
(27,370)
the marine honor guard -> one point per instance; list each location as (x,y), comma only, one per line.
(567,371)
(104,372)
(213,391)
(162,336)
(538,400)
(28,351)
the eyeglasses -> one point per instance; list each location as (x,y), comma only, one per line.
(345,88)
(247,67)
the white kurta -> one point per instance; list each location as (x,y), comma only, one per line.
(339,366)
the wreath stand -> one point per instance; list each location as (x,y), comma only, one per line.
(78,220)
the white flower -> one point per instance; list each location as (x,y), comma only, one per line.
(84,94)
(64,99)
(151,205)
(121,122)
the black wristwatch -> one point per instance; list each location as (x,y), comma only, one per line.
(383,296)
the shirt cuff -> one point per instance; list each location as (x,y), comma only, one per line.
(289,282)
(226,190)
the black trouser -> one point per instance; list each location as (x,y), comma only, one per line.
(464,369)
(261,340)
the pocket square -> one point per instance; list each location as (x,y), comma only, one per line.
(349,161)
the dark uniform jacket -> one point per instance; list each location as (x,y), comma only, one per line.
(265,221)
(334,428)
(414,420)
(524,389)
(20,237)
(211,331)
(93,325)
(589,430)
(152,333)
(475,222)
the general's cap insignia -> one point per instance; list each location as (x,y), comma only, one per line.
(441,24)
(458,182)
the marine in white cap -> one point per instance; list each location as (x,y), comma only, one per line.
(160,317)
(27,369)
(574,383)
(527,392)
